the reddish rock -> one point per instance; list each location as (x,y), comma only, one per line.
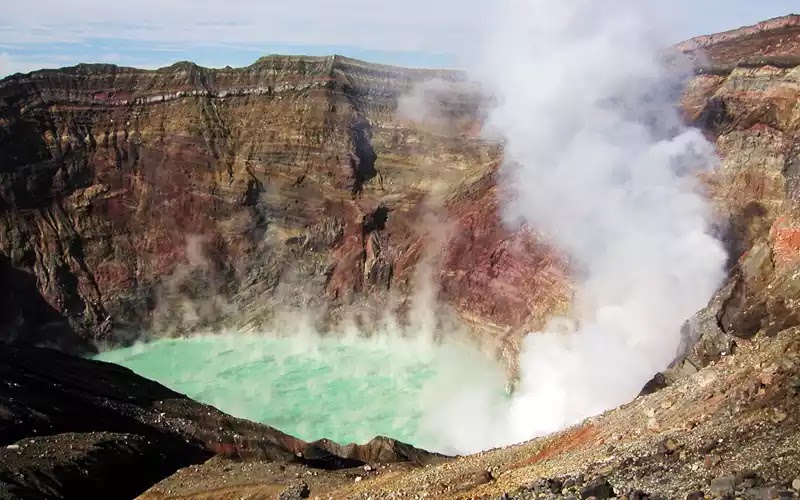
(504,277)
(108,172)
(785,236)
(772,38)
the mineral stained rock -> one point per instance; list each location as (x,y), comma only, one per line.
(745,100)
(169,198)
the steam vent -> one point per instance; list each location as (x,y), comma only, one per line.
(571,270)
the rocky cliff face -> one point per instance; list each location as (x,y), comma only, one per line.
(170,198)
(745,98)
(176,198)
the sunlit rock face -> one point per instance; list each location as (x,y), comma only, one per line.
(178,198)
(745,98)
(170,198)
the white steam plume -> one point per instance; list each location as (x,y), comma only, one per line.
(423,105)
(601,163)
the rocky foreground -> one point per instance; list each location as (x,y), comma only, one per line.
(731,430)
(71,427)
(167,199)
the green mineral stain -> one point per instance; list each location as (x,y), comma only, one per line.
(345,389)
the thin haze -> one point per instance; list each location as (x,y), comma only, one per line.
(152,33)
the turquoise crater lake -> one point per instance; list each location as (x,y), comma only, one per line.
(348,389)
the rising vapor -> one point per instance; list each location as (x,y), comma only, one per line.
(601,164)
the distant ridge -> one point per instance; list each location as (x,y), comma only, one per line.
(337,61)
(705,41)
(332,61)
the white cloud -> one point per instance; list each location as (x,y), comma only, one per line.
(212,30)
(406,26)
(598,161)
(412,25)
(12,64)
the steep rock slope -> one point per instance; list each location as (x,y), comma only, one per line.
(170,198)
(746,98)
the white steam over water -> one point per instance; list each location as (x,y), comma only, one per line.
(601,164)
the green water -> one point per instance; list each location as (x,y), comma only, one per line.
(348,390)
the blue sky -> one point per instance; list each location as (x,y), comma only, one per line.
(154,33)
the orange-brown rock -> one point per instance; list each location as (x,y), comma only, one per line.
(746,100)
(168,198)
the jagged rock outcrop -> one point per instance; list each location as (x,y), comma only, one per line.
(745,99)
(773,40)
(171,198)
